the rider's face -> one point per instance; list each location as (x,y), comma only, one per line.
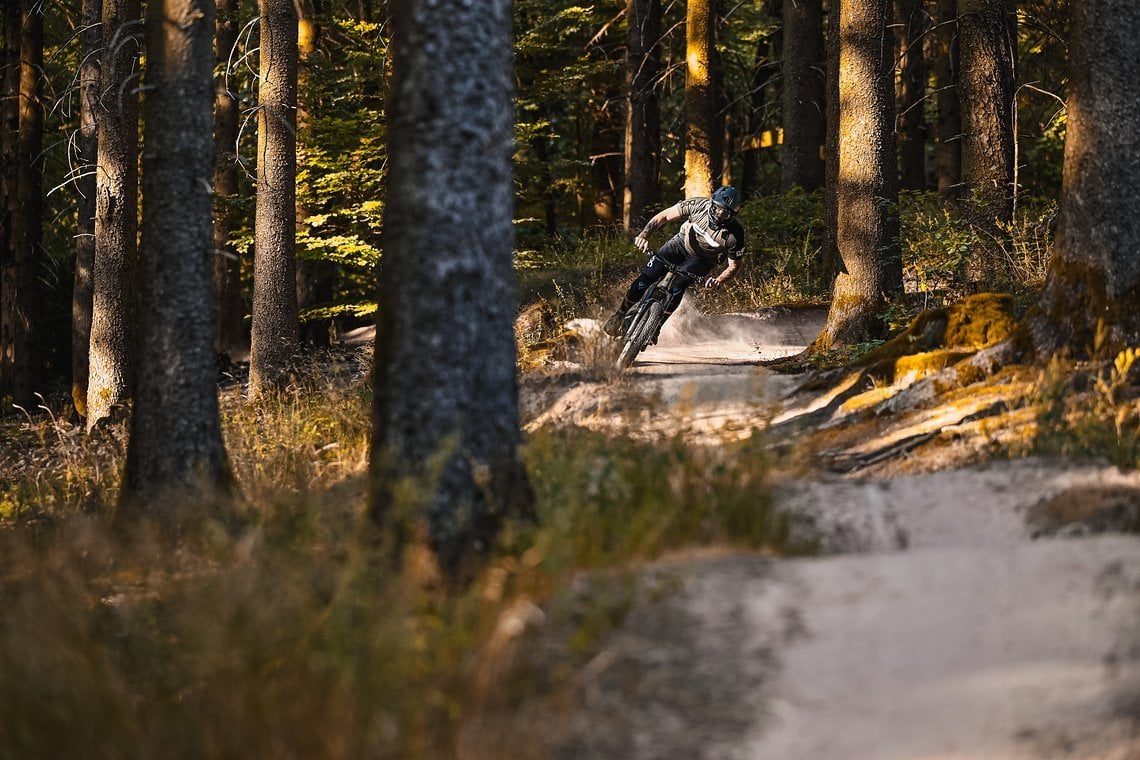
(720,214)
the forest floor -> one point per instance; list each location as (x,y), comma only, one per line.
(959,602)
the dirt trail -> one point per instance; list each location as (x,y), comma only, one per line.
(944,618)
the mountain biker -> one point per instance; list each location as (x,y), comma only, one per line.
(710,234)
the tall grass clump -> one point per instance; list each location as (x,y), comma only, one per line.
(1090,411)
(295,637)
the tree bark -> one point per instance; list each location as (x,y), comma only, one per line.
(275,330)
(113,315)
(642,122)
(9,184)
(86,187)
(832,263)
(868,176)
(28,226)
(230,336)
(986,90)
(949,113)
(912,26)
(701,132)
(446,435)
(804,96)
(1089,302)
(176,456)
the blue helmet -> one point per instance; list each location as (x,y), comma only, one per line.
(726,202)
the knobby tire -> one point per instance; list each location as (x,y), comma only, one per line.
(640,331)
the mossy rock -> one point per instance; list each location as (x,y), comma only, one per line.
(969,325)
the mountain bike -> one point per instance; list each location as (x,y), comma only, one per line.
(644,320)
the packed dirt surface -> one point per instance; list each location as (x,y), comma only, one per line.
(966,609)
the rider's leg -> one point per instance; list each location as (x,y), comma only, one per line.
(654,270)
(695,265)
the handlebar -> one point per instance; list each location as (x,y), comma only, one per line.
(678,271)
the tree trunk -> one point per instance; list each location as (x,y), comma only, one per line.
(274,333)
(986,90)
(868,176)
(912,94)
(949,113)
(113,315)
(176,456)
(86,186)
(1089,301)
(28,227)
(230,337)
(642,122)
(10,136)
(764,72)
(804,96)
(832,263)
(701,131)
(446,435)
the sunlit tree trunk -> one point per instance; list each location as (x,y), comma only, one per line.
(446,423)
(912,26)
(949,113)
(229,327)
(804,95)
(831,261)
(86,185)
(28,225)
(1089,304)
(868,176)
(116,222)
(274,333)
(176,456)
(701,131)
(642,120)
(986,90)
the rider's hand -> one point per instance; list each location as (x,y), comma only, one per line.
(641,243)
(712,283)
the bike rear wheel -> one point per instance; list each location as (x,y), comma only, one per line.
(640,331)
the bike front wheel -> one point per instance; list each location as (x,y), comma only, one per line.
(639,332)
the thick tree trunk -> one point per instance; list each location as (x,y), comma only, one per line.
(642,122)
(949,113)
(912,27)
(446,436)
(831,263)
(804,96)
(274,333)
(9,184)
(701,132)
(86,186)
(868,176)
(1090,297)
(986,89)
(230,336)
(113,315)
(176,455)
(28,226)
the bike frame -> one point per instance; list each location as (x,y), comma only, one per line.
(646,316)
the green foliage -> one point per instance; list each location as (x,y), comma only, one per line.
(942,249)
(1090,411)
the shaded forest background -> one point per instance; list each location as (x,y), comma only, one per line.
(577,78)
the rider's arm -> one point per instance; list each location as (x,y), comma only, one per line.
(728,273)
(659,220)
